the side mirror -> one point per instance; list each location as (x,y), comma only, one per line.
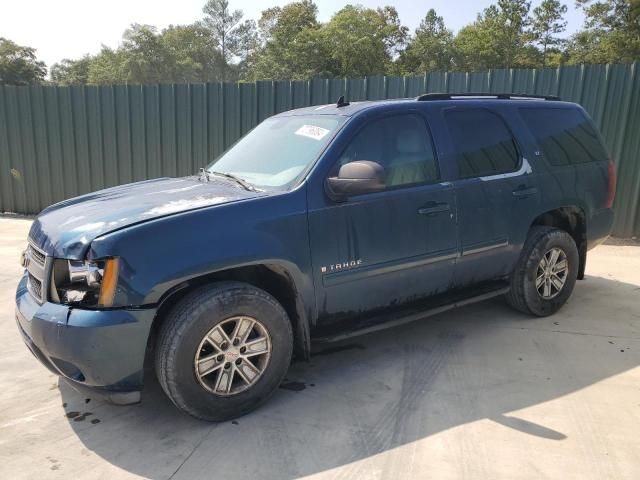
(355,178)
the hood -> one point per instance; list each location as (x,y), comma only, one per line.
(67,228)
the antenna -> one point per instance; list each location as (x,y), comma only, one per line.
(341,102)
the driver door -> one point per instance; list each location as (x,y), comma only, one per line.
(386,248)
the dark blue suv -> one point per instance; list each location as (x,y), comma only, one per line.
(320,223)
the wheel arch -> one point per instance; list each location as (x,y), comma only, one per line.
(571,219)
(273,277)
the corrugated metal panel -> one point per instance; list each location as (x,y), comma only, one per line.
(376,88)
(478,82)
(59,142)
(627,156)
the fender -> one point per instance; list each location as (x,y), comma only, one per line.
(160,256)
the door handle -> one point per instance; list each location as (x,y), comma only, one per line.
(524,191)
(433,208)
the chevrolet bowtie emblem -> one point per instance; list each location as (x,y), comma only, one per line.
(25,259)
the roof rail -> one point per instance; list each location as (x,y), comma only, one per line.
(499,96)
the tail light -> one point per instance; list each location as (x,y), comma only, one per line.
(611,190)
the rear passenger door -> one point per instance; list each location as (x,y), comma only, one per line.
(495,193)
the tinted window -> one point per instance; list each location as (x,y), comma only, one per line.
(401,144)
(484,146)
(565,136)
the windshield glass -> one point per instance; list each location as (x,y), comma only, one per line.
(277,151)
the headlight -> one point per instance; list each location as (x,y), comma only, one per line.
(85,283)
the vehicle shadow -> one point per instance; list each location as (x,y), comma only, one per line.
(372,394)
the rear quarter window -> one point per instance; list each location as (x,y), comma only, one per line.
(565,136)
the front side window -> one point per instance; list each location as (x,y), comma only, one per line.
(483,144)
(279,150)
(401,145)
(565,136)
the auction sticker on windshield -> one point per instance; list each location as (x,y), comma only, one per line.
(311,131)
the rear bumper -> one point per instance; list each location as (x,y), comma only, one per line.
(599,227)
(100,353)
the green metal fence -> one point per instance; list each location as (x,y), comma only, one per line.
(59,142)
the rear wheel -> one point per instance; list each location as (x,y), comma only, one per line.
(223,350)
(546,272)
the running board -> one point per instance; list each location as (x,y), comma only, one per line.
(410,317)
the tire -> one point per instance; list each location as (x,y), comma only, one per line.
(524,295)
(184,355)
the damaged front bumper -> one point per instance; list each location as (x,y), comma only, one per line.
(99,352)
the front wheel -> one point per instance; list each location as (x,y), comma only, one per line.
(223,349)
(546,272)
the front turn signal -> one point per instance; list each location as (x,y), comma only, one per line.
(109,282)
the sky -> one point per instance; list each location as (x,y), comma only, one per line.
(70,28)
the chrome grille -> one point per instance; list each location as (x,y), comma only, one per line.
(35,287)
(37,267)
(36,255)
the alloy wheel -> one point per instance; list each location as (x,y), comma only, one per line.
(552,273)
(233,355)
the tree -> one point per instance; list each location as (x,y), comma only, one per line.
(248,45)
(284,23)
(363,41)
(191,54)
(71,72)
(226,30)
(587,46)
(497,39)
(108,67)
(292,44)
(430,48)
(476,46)
(611,34)
(202,52)
(178,54)
(511,37)
(19,65)
(357,41)
(146,60)
(546,24)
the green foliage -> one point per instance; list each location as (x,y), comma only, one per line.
(356,42)
(178,54)
(546,25)
(108,67)
(362,41)
(71,72)
(431,47)
(292,44)
(511,36)
(191,54)
(612,33)
(228,34)
(497,39)
(18,65)
(288,42)
(476,47)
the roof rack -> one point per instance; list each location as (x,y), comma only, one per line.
(499,96)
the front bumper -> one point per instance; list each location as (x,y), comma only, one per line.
(100,352)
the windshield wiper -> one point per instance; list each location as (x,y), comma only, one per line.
(243,183)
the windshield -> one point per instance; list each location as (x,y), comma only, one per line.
(277,151)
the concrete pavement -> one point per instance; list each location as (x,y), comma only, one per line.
(481,392)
